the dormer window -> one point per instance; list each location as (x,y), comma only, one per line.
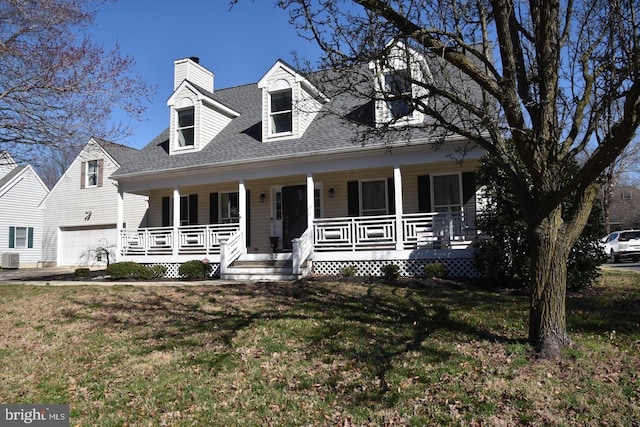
(290,103)
(186,127)
(281,112)
(398,94)
(399,87)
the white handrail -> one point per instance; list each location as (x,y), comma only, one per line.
(302,249)
(230,250)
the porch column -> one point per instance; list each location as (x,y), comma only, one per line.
(119,224)
(242,217)
(397,186)
(311,213)
(176,220)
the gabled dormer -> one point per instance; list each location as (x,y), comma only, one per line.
(398,91)
(289,103)
(196,117)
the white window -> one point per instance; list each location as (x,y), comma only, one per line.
(20,237)
(447,193)
(373,197)
(92,174)
(398,94)
(186,127)
(229,208)
(281,112)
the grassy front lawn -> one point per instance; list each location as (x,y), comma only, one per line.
(316,353)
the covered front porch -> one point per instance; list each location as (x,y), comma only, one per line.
(331,243)
(313,215)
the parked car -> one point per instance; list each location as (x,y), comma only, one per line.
(622,244)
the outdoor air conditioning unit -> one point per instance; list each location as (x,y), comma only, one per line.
(10,260)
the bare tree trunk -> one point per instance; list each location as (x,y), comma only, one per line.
(547,316)
(551,240)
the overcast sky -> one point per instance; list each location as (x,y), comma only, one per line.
(239,45)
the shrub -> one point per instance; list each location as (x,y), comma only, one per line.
(158,271)
(348,271)
(82,272)
(504,259)
(390,272)
(129,270)
(435,269)
(195,269)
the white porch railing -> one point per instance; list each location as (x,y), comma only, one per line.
(421,230)
(197,240)
(355,233)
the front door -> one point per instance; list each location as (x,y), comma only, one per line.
(294,213)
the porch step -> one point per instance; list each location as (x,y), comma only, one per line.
(275,269)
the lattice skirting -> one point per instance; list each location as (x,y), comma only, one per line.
(456,267)
(172,269)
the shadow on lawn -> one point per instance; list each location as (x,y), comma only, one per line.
(368,326)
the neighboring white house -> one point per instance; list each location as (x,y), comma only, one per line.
(263,182)
(81,211)
(21,219)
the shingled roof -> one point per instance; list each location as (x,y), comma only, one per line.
(13,173)
(240,140)
(120,153)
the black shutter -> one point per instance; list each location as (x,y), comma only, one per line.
(391,193)
(214,215)
(469,188)
(424,193)
(12,237)
(353,199)
(30,237)
(193,209)
(166,211)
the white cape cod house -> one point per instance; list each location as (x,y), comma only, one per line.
(259,182)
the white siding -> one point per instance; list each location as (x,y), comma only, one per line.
(211,123)
(69,205)
(186,69)
(19,208)
(306,110)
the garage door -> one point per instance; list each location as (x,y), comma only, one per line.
(80,245)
